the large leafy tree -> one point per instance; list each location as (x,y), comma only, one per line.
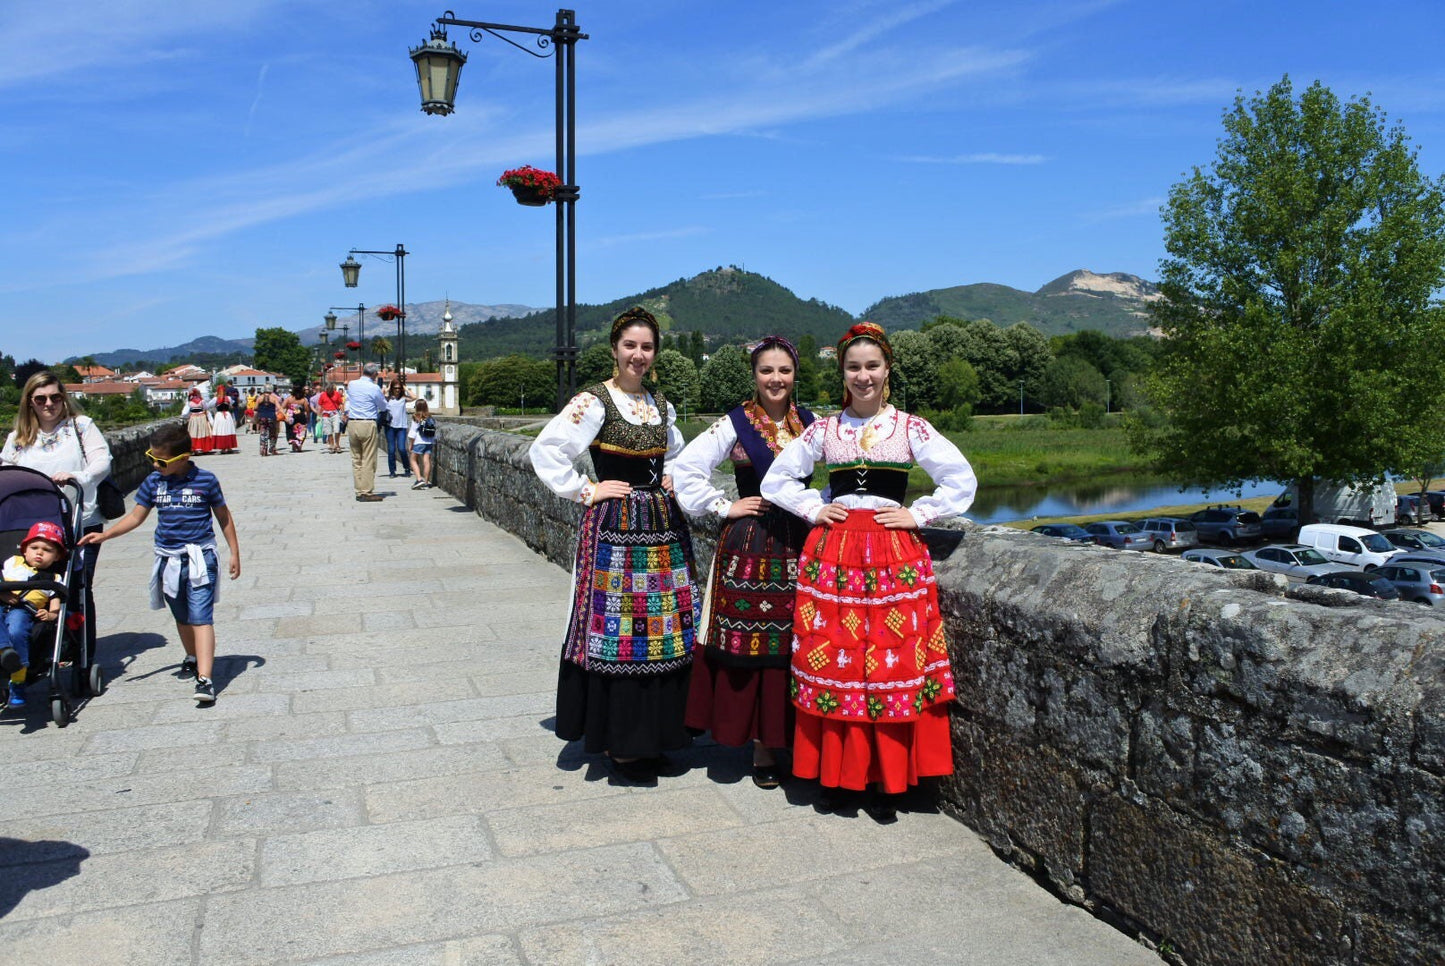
(677,377)
(727,379)
(1301,331)
(278,350)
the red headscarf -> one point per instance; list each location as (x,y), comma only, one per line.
(871,332)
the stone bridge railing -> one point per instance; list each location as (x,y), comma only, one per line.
(1238,772)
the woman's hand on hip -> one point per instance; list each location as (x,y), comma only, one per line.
(896,518)
(748,506)
(832,513)
(610,490)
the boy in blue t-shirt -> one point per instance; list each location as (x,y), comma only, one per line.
(184,497)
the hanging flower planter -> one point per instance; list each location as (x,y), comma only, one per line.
(353,345)
(340,355)
(530,186)
(390,313)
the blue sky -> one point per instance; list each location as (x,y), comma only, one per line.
(175,169)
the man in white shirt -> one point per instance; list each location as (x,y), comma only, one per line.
(364,400)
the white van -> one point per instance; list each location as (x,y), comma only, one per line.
(1361,504)
(1349,545)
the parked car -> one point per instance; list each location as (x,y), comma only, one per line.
(1430,558)
(1409,539)
(1170,533)
(1066,531)
(1279,523)
(1367,585)
(1421,582)
(1294,561)
(1344,544)
(1119,535)
(1408,509)
(1436,499)
(1227,559)
(1226,524)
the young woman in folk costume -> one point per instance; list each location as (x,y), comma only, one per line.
(622,686)
(871,674)
(198,423)
(740,678)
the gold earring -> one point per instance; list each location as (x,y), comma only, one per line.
(615,371)
(886,393)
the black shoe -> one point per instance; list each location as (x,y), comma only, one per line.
(368,498)
(205,691)
(10,660)
(188,670)
(767,776)
(882,808)
(641,771)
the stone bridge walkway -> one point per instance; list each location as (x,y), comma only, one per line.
(377,785)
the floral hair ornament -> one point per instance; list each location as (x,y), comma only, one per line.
(865,330)
(872,332)
(636,315)
(773,342)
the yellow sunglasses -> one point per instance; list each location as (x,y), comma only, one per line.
(159,461)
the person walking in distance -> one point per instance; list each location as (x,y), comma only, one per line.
(364,400)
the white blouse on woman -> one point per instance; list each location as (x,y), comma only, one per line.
(891,437)
(572,430)
(60,452)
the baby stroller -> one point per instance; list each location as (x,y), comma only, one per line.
(57,649)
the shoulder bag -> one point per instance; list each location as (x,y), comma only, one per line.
(108,497)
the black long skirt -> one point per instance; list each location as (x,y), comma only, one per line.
(628,716)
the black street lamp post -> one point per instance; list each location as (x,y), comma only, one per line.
(439,67)
(351,277)
(330,321)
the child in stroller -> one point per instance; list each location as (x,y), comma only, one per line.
(42,548)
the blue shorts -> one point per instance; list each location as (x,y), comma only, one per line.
(194,605)
(420,447)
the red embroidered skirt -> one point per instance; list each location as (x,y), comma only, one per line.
(740,678)
(871,675)
(200,429)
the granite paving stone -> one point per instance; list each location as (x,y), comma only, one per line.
(378,785)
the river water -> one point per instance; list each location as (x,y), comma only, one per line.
(1002,504)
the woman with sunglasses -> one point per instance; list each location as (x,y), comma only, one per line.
(51,436)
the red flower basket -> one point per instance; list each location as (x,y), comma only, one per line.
(353,345)
(340,355)
(390,313)
(530,186)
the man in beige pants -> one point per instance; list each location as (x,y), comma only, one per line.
(364,402)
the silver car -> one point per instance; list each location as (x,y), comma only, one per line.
(1169,533)
(1294,560)
(1226,559)
(1419,581)
(1119,535)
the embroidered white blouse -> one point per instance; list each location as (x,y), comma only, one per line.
(86,458)
(571,431)
(692,473)
(890,436)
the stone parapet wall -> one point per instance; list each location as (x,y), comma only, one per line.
(1241,772)
(128,463)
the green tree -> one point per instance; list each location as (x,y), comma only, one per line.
(957,385)
(594,363)
(726,380)
(1070,382)
(380,349)
(513,381)
(916,357)
(696,348)
(805,385)
(677,378)
(278,350)
(1298,304)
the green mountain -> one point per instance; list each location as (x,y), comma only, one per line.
(1115,304)
(726,304)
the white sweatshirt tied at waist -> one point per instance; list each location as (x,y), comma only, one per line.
(166,574)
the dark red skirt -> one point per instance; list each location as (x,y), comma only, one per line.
(739,705)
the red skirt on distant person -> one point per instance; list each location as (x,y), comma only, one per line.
(872,680)
(199,426)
